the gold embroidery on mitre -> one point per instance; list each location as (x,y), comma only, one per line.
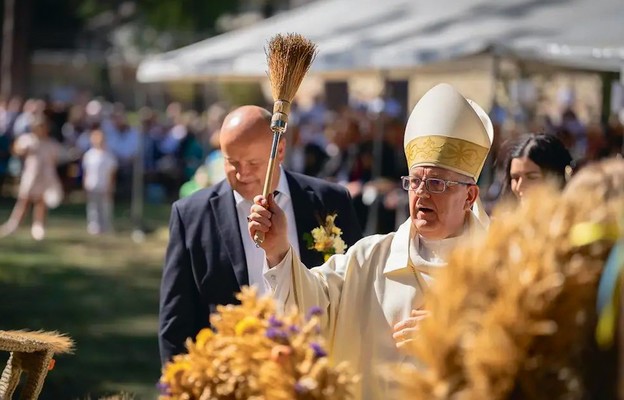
(458,154)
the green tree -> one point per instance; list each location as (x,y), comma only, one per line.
(176,15)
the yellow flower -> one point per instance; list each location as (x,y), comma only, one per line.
(173,368)
(203,337)
(247,325)
(336,231)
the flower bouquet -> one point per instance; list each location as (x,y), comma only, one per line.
(326,238)
(254,354)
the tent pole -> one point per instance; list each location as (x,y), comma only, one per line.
(621,117)
(606,78)
(136,205)
(372,222)
(488,174)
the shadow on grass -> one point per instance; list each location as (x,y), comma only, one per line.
(111,318)
(154,215)
(101,291)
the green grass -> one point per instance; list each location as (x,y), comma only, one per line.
(101,291)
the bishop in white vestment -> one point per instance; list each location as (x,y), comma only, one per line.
(372,297)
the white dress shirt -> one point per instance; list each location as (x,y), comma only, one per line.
(255,256)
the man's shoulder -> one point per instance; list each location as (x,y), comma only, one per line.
(372,243)
(370,252)
(318,183)
(200,200)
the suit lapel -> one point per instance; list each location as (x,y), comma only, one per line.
(226,217)
(308,210)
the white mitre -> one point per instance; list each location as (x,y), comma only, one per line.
(449,131)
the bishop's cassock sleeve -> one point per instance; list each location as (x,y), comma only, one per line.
(293,284)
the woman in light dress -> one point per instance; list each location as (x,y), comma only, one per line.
(40,185)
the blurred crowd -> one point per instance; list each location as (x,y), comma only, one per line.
(169,147)
(177,149)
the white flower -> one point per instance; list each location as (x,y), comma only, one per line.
(339,245)
(319,234)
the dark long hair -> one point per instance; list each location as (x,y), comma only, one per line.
(545,150)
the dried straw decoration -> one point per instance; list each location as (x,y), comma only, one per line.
(513,317)
(255,355)
(31,353)
(289,58)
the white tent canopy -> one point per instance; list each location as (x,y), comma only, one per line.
(594,39)
(240,53)
(529,28)
(389,34)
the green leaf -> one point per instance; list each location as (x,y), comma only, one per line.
(307,237)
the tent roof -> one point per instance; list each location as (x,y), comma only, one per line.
(390,34)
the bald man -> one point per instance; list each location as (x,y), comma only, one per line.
(210,255)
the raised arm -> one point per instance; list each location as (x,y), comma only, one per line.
(291,282)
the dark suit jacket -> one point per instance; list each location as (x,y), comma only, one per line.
(205,263)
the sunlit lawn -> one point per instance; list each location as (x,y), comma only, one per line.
(102,291)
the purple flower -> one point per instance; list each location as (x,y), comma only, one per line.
(300,389)
(316,310)
(275,322)
(163,388)
(294,329)
(275,333)
(318,350)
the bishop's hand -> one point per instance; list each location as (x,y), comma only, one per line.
(266,216)
(406,330)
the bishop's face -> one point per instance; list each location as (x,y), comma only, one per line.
(439,200)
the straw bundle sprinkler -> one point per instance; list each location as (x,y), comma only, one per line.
(289,58)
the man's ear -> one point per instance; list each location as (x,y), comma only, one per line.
(473,195)
(281,150)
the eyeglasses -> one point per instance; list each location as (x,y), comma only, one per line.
(433,185)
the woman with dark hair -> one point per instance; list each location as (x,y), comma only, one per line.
(533,158)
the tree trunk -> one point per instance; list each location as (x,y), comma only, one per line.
(15,59)
(6,65)
(22,47)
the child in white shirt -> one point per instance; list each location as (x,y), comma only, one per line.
(99,167)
